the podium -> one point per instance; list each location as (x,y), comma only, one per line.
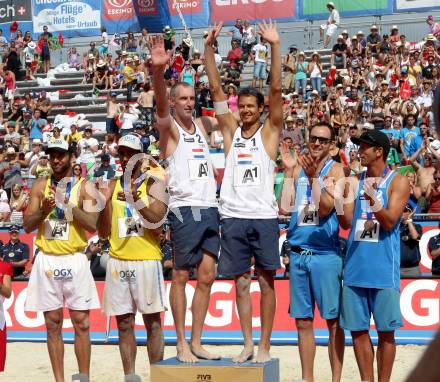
(215,371)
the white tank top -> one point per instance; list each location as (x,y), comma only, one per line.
(248,184)
(190,174)
(315,71)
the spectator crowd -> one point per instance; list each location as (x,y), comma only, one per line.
(376,80)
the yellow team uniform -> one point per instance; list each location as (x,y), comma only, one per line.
(126,242)
(60,237)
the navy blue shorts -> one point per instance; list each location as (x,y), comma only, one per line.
(242,239)
(110,126)
(194,232)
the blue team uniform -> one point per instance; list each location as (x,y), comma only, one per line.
(315,260)
(372,268)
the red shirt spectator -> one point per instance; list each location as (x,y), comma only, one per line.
(5,290)
(235,54)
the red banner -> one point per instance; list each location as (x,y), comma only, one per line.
(228,10)
(419,302)
(118,10)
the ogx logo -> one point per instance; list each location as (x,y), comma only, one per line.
(60,274)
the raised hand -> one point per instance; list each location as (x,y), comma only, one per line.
(159,57)
(309,165)
(213,33)
(269,32)
(289,161)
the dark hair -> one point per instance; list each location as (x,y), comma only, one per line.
(332,131)
(251,92)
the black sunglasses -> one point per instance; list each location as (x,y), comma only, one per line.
(321,140)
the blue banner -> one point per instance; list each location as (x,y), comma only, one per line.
(72,18)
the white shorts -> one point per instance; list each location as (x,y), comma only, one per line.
(133,286)
(329,28)
(61,280)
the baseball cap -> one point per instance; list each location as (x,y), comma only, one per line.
(36,141)
(368,126)
(113,94)
(58,145)
(14,228)
(373,138)
(131,141)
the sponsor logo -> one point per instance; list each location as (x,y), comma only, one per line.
(128,276)
(227,10)
(18,10)
(59,274)
(185,6)
(147,7)
(118,9)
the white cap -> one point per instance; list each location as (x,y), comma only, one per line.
(394,27)
(131,141)
(10,150)
(331,3)
(368,126)
(42,154)
(373,27)
(360,33)
(345,31)
(58,144)
(36,141)
(340,37)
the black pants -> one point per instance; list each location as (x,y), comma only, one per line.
(130,86)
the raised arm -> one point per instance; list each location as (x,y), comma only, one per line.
(225,118)
(159,60)
(270,34)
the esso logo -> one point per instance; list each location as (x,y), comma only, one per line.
(119,3)
(145,3)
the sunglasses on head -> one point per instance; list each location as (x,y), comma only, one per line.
(321,140)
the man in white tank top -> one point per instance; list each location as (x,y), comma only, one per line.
(193,206)
(249,213)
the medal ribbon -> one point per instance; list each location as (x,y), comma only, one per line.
(128,210)
(59,213)
(323,171)
(368,207)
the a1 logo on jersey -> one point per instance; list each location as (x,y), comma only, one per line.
(118,10)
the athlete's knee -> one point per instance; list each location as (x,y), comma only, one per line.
(82,324)
(266,282)
(180,277)
(205,279)
(54,322)
(360,335)
(387,337)
(125,323)
(304,323)
(243,284)
(153,323)
(333,324)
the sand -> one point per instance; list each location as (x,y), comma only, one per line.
(30,362)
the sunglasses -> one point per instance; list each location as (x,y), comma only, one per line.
(436,178)
(321,140)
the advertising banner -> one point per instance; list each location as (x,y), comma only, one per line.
(19,11)
(153,14)
(419,304)
(195,13)
(230,10)
(416,5)
(310,10)
(119,16)
(72,18)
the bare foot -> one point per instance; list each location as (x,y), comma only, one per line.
(201,353)
(246,354)
(262,356)
(184,354)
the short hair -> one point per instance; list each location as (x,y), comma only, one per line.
(332,131)
(173,90)
(251,92)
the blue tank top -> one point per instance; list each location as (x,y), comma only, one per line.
(307,230)
(373,257)
(188,77)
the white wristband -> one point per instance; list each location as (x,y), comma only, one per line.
(221,108)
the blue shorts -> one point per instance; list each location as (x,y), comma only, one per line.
(260,70)
(242,239)
(315,279)
(193,233)
(358,304)
(110,126)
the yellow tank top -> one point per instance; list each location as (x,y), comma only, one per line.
(60,237)
(130,241)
